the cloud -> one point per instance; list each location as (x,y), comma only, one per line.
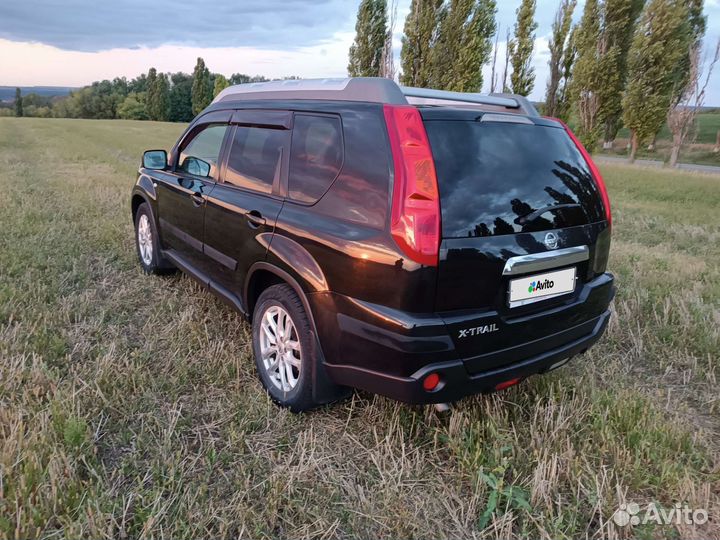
(78,41)
(98,25)
(34,64)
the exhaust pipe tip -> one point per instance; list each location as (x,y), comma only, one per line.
(442,407)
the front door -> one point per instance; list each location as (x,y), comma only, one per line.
(243,207)
(182,194)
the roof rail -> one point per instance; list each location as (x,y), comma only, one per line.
(372,89)
(428,96)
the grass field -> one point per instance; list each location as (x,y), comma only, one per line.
(708,125)
(129,406)
(699,148)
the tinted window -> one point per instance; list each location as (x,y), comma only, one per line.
(200,156)
(255,157)
(316,156)
(491,175)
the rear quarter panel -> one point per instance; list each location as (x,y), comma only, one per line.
(346,231)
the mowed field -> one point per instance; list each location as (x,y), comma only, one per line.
(129,406)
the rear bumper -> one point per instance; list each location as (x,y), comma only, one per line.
(456,382)
(390,353)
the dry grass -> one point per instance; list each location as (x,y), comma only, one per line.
(129,407)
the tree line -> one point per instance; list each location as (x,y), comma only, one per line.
(171,97)
(632,63)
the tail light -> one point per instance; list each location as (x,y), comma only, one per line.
(593,170)
(415,216)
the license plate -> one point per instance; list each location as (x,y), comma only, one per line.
(530,289)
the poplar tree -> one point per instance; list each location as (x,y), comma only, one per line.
(522,79)
(221,83)
(586,76)
(463,45)
(662,39)
(697,25)
(18,102)
(158,96)
(418,39)
(562,105)
(151,86)
(557,62)
(476,46)
(366,52)
(619,21)
(201,94)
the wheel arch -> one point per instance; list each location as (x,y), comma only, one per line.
(143,191)
(267,274)
(263,275)
(135,203)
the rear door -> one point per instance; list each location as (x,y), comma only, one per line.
(243,207)
(512,189)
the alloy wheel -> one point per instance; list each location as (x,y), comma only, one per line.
(145,243)
(280,349)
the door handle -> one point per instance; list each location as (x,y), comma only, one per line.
(255,219)
(197,199)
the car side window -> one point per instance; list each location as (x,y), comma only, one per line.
(316,156)
(255,157)
(201,155)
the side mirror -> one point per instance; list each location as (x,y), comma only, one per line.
(196,166)
(155,159)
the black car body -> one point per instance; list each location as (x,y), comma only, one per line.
(403,221)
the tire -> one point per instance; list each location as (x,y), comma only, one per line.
(292,386)
(147,243)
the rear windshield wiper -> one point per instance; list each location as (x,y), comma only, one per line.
(540,211)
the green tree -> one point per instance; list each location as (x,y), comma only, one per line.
(562,105)
(158,96)
(464,44)
(476,46)
(586,75)
(18,102)
(698,24)
(221,83)
(163,97)
(180,109)
(370,32)
(150,81)
(417,42)
(619,20)
(138,84)
(662,39)
(133,107)
(558,48)
(201,89)
(522,79)
(241,78)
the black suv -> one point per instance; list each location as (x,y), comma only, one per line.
(419,244)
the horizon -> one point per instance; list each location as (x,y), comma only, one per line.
(309,40)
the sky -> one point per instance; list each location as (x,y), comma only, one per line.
(76,42)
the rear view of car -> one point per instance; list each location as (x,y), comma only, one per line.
(525,237)
(510,221)
(419,244)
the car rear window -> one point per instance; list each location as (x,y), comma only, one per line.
(492,175)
